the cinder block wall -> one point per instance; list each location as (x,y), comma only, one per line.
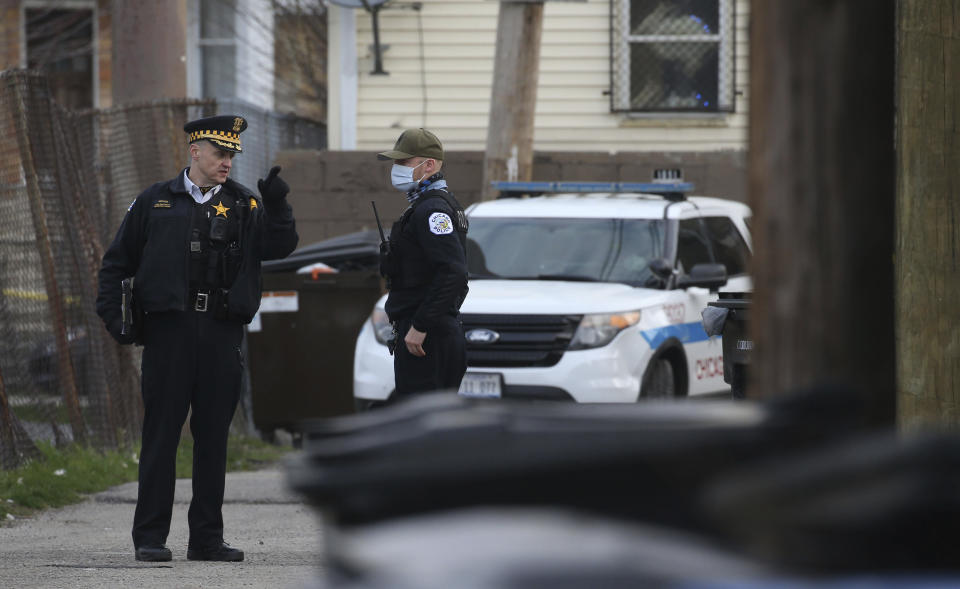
(330,191)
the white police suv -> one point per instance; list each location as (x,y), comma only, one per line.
(590,292)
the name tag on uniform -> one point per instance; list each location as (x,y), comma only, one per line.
(194,246)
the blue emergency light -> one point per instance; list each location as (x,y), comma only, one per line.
(668,190)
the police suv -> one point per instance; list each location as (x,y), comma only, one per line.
(590,292)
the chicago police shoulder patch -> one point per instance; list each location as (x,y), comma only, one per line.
(440,224)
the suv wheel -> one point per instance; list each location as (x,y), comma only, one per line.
(659,382)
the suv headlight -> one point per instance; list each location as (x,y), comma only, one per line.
(598,330)
(382,329)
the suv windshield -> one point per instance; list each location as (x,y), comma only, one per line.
(602,250)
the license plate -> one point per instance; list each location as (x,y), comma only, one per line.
(481,385)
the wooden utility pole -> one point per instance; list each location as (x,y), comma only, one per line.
(509,154)
(928,214)
(821,184)
(149,50)
(10,31)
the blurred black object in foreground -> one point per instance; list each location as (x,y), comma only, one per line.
(872,503)
(791,484)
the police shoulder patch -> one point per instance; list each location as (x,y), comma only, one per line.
(440,224)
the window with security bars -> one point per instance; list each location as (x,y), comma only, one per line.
(673,55)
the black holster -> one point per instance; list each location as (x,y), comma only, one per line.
(132,314)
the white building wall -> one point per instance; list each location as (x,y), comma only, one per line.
(253,34)
(573,107)
(255,65)
(342,78)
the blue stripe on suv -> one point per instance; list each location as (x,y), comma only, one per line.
(687,333)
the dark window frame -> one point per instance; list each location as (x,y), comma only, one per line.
(62,51)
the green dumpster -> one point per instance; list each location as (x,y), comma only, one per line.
(300,345)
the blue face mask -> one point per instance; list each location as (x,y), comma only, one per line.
(402,177)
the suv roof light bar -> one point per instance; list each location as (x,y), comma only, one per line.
(668,190)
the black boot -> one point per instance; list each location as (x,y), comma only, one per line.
(222,552)
(153,553)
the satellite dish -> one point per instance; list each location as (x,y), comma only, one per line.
(373,7)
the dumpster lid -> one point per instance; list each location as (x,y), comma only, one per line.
(361,248)
(732,300)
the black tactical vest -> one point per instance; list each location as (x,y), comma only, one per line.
(412,272)
(215,241)
(460,223)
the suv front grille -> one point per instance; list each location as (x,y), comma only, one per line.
(524,340)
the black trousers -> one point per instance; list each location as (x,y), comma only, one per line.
(443,366)
(190,361)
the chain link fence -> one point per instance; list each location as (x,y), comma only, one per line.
(66,180)
(267,133)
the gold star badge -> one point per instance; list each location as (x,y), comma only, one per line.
(253,203)
(221,210)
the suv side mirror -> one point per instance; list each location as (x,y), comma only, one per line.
(710,276)
(661,268)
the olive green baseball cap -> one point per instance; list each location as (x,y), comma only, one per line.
(414,143)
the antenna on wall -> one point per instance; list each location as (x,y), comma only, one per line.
(373,7)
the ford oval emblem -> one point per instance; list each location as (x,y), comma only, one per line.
(482,336)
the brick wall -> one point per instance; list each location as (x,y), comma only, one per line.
(330,191)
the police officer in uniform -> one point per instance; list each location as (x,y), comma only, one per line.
(425,265)
(193,245)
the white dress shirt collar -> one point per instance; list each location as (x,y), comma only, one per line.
(194,190)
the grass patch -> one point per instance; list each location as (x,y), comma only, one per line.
(42,413)
(63,475)
(243,453)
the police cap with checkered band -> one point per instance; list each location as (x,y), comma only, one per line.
(223,131)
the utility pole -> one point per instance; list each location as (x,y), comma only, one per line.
(10,31)
(821,184)
(509,153)
(149,50)
(928,215)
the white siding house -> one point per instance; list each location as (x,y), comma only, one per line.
(440,60)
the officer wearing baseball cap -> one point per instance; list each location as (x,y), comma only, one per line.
(426,270)
(193,245)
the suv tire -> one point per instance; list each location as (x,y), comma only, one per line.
(659,382)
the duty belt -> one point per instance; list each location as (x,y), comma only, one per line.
(202,299)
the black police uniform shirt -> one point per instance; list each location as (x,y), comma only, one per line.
(153,246)
(431,280)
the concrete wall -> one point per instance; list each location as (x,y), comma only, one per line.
(330,191)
